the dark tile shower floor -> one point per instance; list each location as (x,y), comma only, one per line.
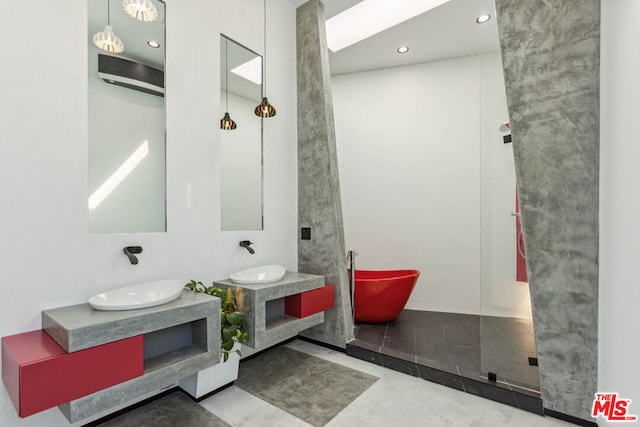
(462,344)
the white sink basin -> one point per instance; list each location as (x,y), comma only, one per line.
(139,296)
(262,274)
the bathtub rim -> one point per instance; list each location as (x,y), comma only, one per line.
(401,273)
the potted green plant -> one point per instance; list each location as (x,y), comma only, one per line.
(231,320)
(232,333)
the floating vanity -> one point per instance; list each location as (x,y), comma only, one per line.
(88,362)
(275,311)
(162,344)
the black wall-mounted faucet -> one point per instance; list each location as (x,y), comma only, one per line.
(245,244)
(129,251)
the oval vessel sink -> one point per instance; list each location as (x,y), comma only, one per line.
(139,296)
(262,274)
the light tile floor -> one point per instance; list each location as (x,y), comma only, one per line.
(395,399)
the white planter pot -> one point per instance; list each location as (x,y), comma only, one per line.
(214,377)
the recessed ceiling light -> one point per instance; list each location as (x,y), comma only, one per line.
(154,44)
(403,49)
(370,17)
(483,18)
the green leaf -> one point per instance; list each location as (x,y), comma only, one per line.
(224,323)
(225,356)
(228,345)
(229,333)
(218,292)
(236,318)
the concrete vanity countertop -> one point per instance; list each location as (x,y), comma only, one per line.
(181,338)
(263,304)
(77,327)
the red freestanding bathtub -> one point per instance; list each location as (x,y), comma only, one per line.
(380,295)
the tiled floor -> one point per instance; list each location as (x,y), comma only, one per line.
(394,399)
(467,345)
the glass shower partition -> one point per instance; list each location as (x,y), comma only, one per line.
(507,343)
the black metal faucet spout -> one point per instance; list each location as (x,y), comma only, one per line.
(129,251)
(245,244)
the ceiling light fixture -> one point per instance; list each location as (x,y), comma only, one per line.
(154,44)
(226,123)
(483,18)
(403,49)
(265,109)
(107,39)
(142,10)
(370,17)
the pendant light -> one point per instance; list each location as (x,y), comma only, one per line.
(106,39)
(226,123)
(142,10)
(265,109)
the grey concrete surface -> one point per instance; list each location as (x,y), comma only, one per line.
(551,54)
(77,327)
(80,326)
(319,199)
(252,300)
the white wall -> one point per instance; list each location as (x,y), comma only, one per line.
(619,291)
(409,147)
(48,257)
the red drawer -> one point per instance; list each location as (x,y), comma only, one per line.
(39,374)
(310,302)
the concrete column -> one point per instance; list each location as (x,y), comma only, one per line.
(551,53)
(319,201)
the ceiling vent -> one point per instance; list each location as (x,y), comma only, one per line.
(130,74)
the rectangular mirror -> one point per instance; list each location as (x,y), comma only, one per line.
(126,114)
(241,147)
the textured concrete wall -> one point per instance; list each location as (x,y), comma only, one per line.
(551,60)
(319,201)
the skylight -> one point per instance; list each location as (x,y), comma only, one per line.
(370,17)
(250,70)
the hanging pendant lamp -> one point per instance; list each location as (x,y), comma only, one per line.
(107,39)
(226,123)
(142,10)
(265,109)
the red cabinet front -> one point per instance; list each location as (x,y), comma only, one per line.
(310,302)
(39,374)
